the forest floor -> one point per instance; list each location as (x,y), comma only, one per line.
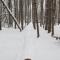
(16,45)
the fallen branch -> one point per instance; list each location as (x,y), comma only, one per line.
(14,19)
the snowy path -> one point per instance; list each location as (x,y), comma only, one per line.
(15,45)
(43,48)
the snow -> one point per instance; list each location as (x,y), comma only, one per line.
(10,43)
(16,45)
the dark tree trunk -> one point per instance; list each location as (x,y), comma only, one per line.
(25,11)
(49,16)
(53,14)
(59,14)
(46,14)
(0,14)
(41,13)
(21,12)
(34,15)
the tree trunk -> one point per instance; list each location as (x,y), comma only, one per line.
(49,16)
(34,15)
(10,7)
(0,13)
(59,13)
(41,13)
(46,14)
(21,12)
(53,15)
(16,10)
(25,11)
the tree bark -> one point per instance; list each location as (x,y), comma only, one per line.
(0,14)
(41,13)
(21,12)
(34,15)
(53,15)
(16,10)
(49,16)
(46,14)
(59,13)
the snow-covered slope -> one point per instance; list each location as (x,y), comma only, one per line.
(15,45)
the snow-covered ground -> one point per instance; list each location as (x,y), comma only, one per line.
(16,45)
(11,42)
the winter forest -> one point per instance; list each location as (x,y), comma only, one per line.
(29,29)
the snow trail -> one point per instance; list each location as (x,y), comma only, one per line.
(43,48)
